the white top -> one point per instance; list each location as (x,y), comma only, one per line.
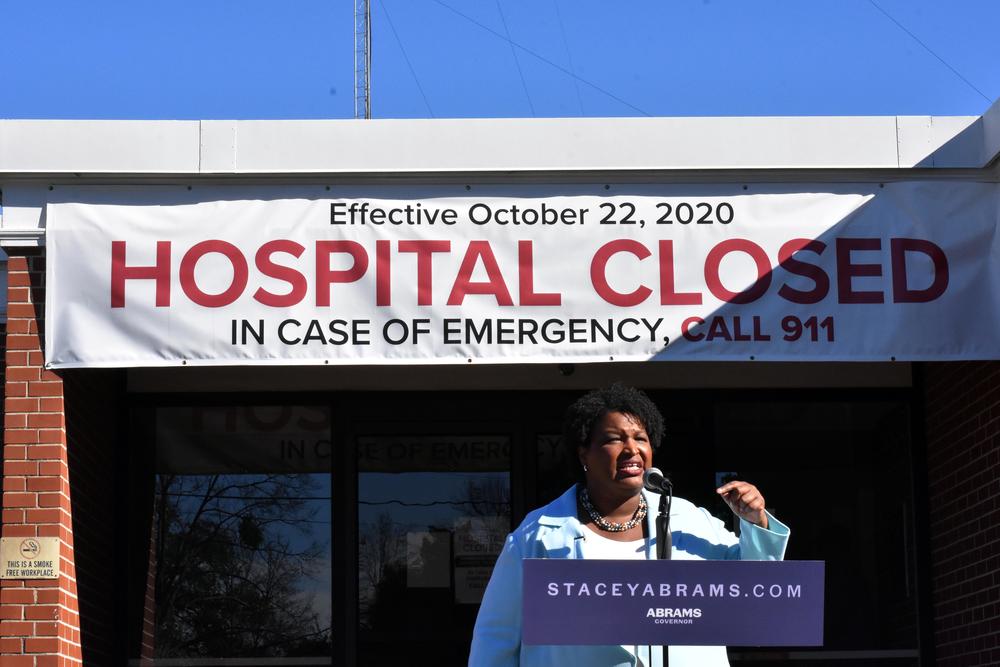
(604,548)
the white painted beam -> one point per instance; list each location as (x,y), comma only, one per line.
(564,144)
(569,145)
(98,146)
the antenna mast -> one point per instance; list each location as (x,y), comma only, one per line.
(362,59)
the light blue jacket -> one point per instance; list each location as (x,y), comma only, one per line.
(554,531)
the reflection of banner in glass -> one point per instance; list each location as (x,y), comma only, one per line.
(478,542)
(195,440)
(391,453)
(239,275)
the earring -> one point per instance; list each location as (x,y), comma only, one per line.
(585,468)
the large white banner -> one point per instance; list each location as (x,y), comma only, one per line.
(155,276)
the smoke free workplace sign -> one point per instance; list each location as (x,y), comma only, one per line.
(233,275)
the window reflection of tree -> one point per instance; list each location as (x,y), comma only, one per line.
(382,544)
(382,561)
(236,557)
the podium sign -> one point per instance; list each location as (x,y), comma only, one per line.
(683,603)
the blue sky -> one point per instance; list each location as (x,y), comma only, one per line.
(450,58)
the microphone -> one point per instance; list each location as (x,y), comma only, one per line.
(654,480)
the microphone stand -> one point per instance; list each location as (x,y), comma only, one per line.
(664,541)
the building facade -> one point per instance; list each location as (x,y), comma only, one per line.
(294,506)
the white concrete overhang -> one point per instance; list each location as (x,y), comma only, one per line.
(495,145)
(36,154)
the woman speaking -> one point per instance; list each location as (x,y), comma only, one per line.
(610,435)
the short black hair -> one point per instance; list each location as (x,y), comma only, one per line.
(589,408)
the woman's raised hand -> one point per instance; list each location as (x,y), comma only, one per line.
(745,501)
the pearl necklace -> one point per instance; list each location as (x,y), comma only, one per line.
(611,526)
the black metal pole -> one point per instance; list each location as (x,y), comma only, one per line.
(664,542)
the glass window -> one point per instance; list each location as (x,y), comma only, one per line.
(240,561)
(433,513)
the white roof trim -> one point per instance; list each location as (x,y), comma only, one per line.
(991,134)
(302,147)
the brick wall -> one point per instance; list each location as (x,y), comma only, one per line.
(3,353)
(963,469)
(3,368)
(58,473)
(85,607)
(39,619)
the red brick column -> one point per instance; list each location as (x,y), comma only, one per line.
(963,469)
(39,619)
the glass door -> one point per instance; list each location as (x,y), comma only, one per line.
(433,513)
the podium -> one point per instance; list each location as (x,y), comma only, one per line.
(673,602)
